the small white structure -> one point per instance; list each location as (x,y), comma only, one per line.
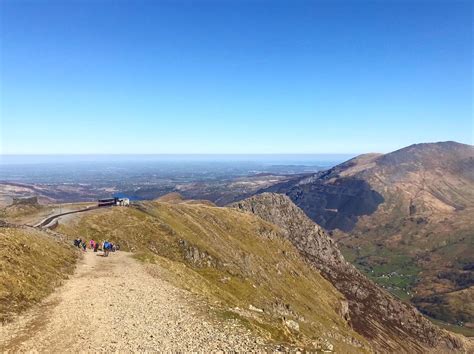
(123,202)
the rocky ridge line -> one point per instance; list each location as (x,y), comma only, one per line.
(377,315)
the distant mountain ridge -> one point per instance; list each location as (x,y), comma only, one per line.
(336,198)
(408,212)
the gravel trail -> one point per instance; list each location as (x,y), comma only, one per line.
(113,304)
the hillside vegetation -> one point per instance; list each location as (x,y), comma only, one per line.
(32,264)
(241,264)
(24,210)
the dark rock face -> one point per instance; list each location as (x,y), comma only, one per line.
(390,324)
(335,205)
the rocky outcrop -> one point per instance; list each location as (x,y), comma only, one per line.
(196,256)
(390,324)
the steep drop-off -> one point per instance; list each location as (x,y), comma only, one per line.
(388,323)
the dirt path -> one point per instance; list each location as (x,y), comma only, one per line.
(113,304)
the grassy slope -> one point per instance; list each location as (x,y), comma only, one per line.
(24,214)
(21,214)
(232,259)
(417,259)
(31,265)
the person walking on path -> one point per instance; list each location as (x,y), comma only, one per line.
(106,248)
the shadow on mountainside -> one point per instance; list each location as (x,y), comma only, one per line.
(334,205)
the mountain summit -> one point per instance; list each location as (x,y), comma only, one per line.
(405,218)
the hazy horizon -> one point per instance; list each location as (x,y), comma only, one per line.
(286,159)
(195,156)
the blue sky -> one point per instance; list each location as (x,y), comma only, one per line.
(241,77)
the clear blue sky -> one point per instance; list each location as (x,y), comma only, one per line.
(103,76)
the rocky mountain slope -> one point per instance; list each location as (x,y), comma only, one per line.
(241,265)
(389,324)
(404,218)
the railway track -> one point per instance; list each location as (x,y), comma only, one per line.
(48,222)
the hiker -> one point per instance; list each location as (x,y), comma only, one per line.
(91,244)
(84,246)
(78,243)
(96,246)
(105,248)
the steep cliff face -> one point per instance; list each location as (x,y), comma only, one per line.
(390,324)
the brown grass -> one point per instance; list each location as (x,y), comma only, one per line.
(242,261)
(32,264)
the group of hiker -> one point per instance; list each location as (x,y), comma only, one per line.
(104,246)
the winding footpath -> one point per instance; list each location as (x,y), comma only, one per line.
(114,304)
